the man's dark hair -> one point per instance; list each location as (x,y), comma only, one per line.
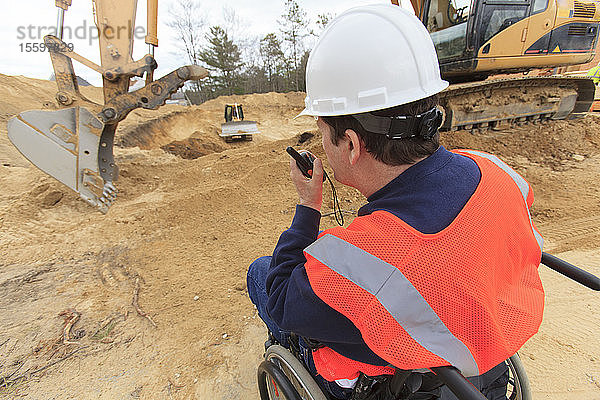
(389,151)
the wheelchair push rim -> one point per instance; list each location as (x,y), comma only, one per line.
(273,384)
(519,387)
(283,376)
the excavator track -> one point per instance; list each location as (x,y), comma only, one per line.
(493,103)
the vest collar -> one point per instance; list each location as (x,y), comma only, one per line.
(401,184)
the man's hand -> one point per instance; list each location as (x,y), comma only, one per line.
(310,191)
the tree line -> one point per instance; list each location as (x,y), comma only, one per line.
(239,63)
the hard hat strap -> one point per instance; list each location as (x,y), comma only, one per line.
(424,125)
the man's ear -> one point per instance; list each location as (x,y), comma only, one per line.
(354,146)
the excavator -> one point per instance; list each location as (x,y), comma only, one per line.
(74,143)
(477,39)
(474,39)
(235,128)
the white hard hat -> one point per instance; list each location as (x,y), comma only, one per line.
(370,58)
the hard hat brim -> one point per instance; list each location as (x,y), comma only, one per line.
(434,88)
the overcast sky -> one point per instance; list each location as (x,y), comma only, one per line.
(28,21)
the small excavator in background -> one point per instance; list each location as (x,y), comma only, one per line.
(235,127)
(74,144)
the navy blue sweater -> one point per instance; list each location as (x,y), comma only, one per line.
(427,196)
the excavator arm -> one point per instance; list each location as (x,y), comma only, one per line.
(74,144)
(416,4)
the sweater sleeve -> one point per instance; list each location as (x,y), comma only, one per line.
(292,304)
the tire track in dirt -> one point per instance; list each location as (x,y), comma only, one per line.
(569,233)
(563,359)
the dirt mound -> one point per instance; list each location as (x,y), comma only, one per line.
(185,131)
(155,129)
(259,101)
(18,93)
(195,147)
(273,112)
(550,144)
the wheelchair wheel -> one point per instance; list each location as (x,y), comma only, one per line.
(273,384)
(283,376)
(518,382)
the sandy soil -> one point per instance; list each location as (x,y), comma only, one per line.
(183,232)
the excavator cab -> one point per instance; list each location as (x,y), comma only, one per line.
(476,38)
(234,112)
(447,22)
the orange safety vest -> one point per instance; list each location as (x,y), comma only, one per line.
(469,295)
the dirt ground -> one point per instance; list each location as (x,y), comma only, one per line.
(193,212)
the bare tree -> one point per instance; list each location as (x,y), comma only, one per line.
(321,23)
(237,30)
(294,28)
(233,24)
(187,22)
(272,59)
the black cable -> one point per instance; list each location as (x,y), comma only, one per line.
(337,210)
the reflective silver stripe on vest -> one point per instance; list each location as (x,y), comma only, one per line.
(521,183)
(397,295)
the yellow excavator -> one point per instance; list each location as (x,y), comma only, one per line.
(476,39)
(235,128)
(74,143)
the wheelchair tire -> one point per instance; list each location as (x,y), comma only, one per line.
(273,384)
(294,370)
(518,382)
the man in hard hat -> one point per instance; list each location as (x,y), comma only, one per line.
(440,266)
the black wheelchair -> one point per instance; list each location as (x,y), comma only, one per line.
(282,374)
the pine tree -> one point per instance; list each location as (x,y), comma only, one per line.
(222,57)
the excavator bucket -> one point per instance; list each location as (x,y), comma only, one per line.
(67,145)
(75,143)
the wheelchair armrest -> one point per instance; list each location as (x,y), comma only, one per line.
(457,383)
(571,271)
